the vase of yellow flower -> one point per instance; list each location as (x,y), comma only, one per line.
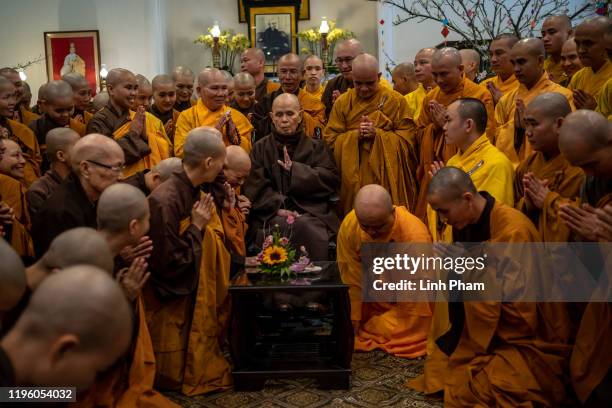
(230,46)
(312,38)
(277,255)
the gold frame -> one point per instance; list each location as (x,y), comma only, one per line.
(304,11)
(272,10)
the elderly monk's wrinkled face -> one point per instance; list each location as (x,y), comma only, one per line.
(236,176)
(541,130)
(422,67)
(82,98)
(105,171)
(453,212)
(124,92)
(590,45)
(553,35)
(164,97)
(447,74)
(244,95)
(286,117)
(59,110)
(455,128)
(12,162)
(366,82)
(143,97)
(499,51)
(215,91)
(570,62)
(290,75)
(18,83)
(8,100)
(184,87)
(528,68)
(376,223)
(250,63)
(313,71)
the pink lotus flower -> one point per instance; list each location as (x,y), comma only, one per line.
(290,219)
(300,265)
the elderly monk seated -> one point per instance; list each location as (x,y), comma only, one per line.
(588,83)
(555,31)
(451,85)
(253,61)
(243,99)
(372,138)
(570,62)
(290,71)
(293,177)
(59,142)
(313,74)
(21,134)
(140,135)
(97,162)
(76,334)
(22,112)
(148,180)
(12,283)
(545,179)
(164,99)
(187,292)
(500,354)
(527,56)
(82,96)
(504,79)
(397,328)
(212,111)
(489,169)
(13,194)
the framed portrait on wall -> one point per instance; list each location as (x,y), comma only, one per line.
(304,10)
(73,51)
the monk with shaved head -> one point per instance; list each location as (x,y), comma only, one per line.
(22,135)
(527,56)
(537,188)
(253,61)
(183,78)
(183,222)
(100,101)
(363,120)
(148,180)
(406,83)
(97,162)
(243,99)
(83,324)
(470,59)
(396,328)
(12,281)
(141,135)
(164,99)
(211,110)
(313,111)
(587,84)
(314,72)
(59,142)
(144,94)
(504,79)
(447,69)
(570,62)
(22,112)
(555,32)
(81,90)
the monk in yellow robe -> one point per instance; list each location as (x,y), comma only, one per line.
(397,328)
(570,62)
(405,83)
(604,102)
(18,132)
(586,141)
(184,79)
(164,99)
(527,55)
(13,194)
(470,59)
(21,113)
(82,96)
(504,80)
(489,169)
(313,74)
(452,85)
(545,179)
(500,354)
(372,138)
(555,32)
(141,135)
(422,72)
(587,83)
(212,111)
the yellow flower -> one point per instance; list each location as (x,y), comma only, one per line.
(274,255)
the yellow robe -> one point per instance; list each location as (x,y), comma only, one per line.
(506,86)
(200,115)
(564,183)
(26,139)
(319,92)
(555,70)
(161,147)
(592,82)
(13,193)
(430,141)
(504,116)
(313,112)
(385,83)
(490,171)
(414,100)
(388,160)
(397,328)
(27,116)
(604,102)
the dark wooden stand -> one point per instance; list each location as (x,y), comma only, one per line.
(276,333)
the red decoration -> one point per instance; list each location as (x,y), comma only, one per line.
(445,31)
(381,22)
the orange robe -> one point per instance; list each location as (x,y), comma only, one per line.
(26,139)
(388,160)
(318,94)
(235,228)
(13,193)
(200,115)
(161,147)
(430,140)
(504,116)
(555,70)
(397,328)
(313,112)
(26,116)
(592,82)
(506,86)
(565,181)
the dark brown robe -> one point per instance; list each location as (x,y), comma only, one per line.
(339,83)
(138,180)
(245,112)
(41,189)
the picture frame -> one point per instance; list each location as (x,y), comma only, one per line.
(73,51)
(304,11)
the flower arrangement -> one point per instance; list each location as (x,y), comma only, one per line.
(312,37)
(230,46)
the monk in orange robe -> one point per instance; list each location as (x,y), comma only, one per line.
(372,138)
(545,179)
(570,62)
(527,55)
(253,61)
(22,113)
(19,133)
(212,111)
(405,82)
(452,85)
(314,72)
(504,80)
(586,141)
(397,328)
(82,96)
(555,32)
(500,354)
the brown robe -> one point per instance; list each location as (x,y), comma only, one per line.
(165,117)
(265,87)
(41,189)
(13,193)
(339,83)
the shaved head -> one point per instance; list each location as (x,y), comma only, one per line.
(208,75)
(591,41)
(405,68)
(237,166)
(286,99)
(76,80)
(346,52)
(527,56)
(563,21)
(118,75)
(427,52)
(255,53)
(470,59)
(142,80)
(181,71)
(314,58)
(351,45)
(290,58)
(166,167)
(451,183)
(60,140)
(244,79)
(551,104)
(543,120)
(100,100)
(374,210)
(201,143)
(290,71)
(12,277)
(447,54)
(119,205)
(162,80)
(286,114)
(79,246)
(55,90)
(555,31)
(94,147)
(447,69)
(13,76)
(404,78)
(533,46)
